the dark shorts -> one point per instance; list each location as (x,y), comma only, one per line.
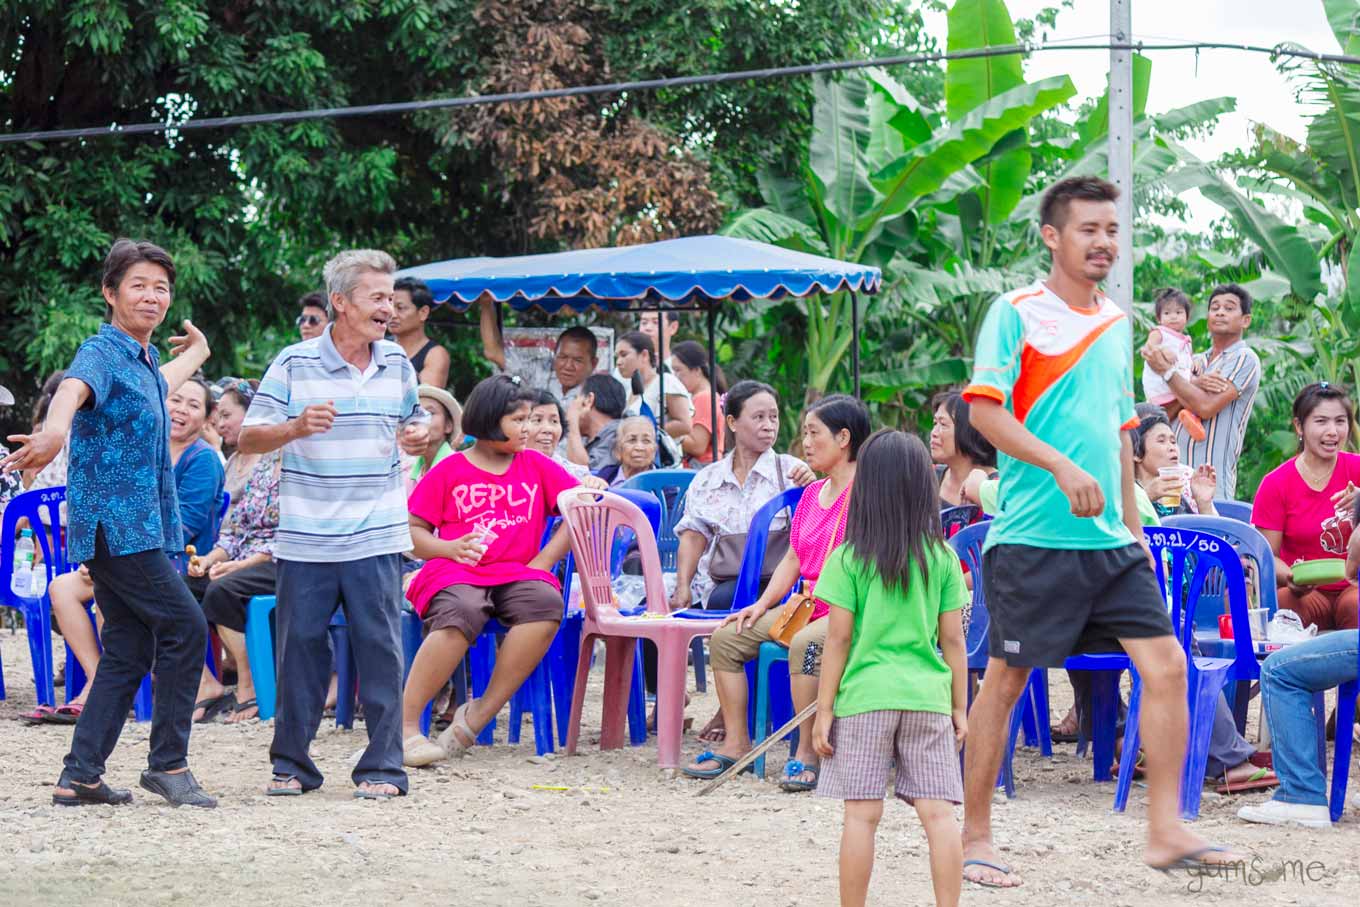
(1046,604)
(468,608)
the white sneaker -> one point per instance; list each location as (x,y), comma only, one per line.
(1277,812)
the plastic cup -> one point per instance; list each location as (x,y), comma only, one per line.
(1171,498)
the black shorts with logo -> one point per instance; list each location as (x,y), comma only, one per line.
(1047,603)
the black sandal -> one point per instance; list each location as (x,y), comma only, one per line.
(214,706)
(99,795)
(284,791)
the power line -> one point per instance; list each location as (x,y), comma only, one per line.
(778,72)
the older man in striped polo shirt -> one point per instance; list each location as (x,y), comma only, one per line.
(340,405)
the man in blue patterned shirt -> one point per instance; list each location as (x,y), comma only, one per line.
(123,519)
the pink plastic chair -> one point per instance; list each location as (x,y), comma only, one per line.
(592,518)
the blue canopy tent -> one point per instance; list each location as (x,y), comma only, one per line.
(696,273)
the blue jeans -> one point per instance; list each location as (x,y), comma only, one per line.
(369,590)
(1289,678)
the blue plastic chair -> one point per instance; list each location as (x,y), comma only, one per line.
(1184,558)
(1248,542)
(1345,723)
(967,545)
(42,510)
(952,519)
(1234,510)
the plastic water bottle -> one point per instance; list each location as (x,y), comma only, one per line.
(21,579)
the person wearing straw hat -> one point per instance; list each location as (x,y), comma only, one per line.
(446,431)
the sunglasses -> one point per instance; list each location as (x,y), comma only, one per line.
(310,320)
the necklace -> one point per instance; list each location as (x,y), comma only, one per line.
(1312,478)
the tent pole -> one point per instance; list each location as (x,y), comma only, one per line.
(713,380)
(854,339)
(660,374)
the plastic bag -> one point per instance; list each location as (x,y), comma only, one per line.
(630,591)
(1287,627)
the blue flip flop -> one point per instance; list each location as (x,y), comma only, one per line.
(1001,868)
(792,769)
(708,774)
(1194,862)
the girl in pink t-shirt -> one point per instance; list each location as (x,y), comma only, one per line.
(1306,507)
(833,430)
(477,519)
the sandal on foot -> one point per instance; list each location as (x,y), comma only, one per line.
(100,794)
(361,794)
(66,714)
(178,788)
(1261,779)
(791,782)
(988,883)
(41,715)
(448,739)
(1194,861)
(280,778)
(417,751)
(241,707)
(708,774)
(214,706)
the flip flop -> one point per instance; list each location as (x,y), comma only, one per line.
(1192,861)
(1261,779)
(40,715)
(284,791)
(361,794)
(67,714)
(999,867)
(708,774)
(242,706)
(214,706)
(792,769)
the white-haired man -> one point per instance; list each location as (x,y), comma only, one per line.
(339,405)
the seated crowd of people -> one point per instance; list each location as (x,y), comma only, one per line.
(483,490)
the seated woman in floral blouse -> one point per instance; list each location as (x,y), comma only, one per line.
(224,580)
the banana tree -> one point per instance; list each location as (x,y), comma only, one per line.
(876,158)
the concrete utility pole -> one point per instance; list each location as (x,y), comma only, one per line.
(1120,284)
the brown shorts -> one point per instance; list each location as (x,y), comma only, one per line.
(468,608)
(866,746)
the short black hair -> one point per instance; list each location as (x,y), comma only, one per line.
(314,300)
(421,297)
(892,528)
(967,439)
(1059,197)
(209,401)
(125,253)
(1225,289)
(492,400)
(695,356)
(841,412)
(581,334)
(546,397)
(740,395)
(1170,296)
(608,393)
(1313,396)
(1149,416)
(641,343)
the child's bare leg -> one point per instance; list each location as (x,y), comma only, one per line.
(946,849)
(70,593)
(857,849)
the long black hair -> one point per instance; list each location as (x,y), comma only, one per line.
(640,343)
(842,412)
(892,528)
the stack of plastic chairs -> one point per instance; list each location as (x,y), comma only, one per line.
(952,519)
(592,520)
(42,510)
(1184,558)
(1234,510)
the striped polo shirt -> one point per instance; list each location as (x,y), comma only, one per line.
(1224,433)
(341,496)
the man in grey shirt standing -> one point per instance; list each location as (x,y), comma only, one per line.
(1221,390)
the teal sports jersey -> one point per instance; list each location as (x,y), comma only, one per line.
(1066,374)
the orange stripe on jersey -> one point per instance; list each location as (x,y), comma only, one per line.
(1023,296)
(1129,425)
(973,391)
(1039,372)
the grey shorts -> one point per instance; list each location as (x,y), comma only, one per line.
(867,745)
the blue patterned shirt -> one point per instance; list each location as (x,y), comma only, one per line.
(120,477)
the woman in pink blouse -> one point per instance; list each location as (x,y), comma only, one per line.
(833,430)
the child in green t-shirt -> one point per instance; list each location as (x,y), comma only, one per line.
(886,693)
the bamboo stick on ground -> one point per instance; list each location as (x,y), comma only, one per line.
(756,751)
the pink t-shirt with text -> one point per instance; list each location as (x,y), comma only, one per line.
(814,532)
(456,498)
(1284,503)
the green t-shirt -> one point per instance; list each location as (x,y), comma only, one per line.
(893,662)
(1066,374)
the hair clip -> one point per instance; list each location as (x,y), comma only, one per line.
(1323,384)
(516,380)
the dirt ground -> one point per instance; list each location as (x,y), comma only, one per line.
(478,832)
